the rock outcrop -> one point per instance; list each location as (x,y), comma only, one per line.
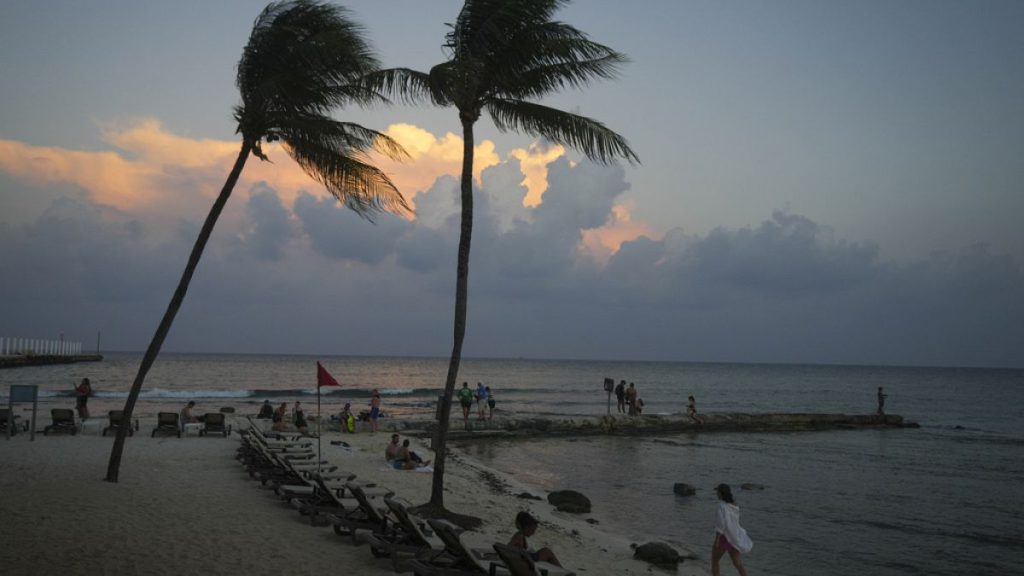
(569,501)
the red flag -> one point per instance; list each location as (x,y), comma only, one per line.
(323,378)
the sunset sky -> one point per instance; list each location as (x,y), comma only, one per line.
(820,182)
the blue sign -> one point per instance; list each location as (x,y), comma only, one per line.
(24,393)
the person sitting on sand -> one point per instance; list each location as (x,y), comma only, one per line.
(278,421)
(391,452)
(408,460)
(266,411)
(526,525)
(730,537)
(691,411)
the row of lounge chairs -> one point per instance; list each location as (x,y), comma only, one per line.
(63,422)
(366,513)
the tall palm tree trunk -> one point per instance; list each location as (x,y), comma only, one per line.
(172,308)
(461,300)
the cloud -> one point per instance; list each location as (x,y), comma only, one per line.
(573,276)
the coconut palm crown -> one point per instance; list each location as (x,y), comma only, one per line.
(303,59)
(504,55)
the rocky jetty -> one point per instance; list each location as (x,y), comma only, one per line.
(19,361)
(554,425)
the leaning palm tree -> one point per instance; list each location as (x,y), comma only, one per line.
(303,59)
(504,55)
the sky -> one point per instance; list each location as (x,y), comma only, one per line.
(819,182)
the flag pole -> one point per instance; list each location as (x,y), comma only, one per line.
(319,454)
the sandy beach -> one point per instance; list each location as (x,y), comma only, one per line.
(186,506)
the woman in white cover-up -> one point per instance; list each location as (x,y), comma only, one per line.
(730,537)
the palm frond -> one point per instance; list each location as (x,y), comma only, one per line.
(408,85)
(594,139)
(301,56)
(360,186)
(347,137)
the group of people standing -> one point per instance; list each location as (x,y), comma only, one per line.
(627,400)
(484,401)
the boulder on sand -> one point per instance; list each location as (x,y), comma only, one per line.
(658,553)
(569,501)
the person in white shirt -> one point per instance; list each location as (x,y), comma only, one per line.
(730,537)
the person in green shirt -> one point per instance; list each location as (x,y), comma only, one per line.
(466,400)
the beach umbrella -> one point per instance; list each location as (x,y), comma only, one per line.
(323,378)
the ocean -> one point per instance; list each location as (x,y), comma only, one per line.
(945,498)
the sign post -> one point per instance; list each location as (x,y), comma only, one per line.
(22,393)
(609,385)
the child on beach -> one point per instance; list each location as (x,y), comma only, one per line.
(730,537)
(526,525)
(691,411)
(82,393)
(299,419)
(374,410)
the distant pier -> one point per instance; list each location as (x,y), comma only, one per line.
(620,425)
(19,352)
(36,360)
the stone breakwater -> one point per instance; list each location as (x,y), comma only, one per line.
(45,359)
(526,426)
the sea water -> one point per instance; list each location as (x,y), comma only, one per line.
(946,498)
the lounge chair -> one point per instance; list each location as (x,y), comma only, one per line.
(366,516)
(116,418)
(520,563)
(460,559)
(63,421)
(167,423)
(214,423)
(7,418)
(408,540)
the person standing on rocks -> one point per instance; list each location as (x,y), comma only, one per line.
(465,400)
(631,399)
(620,396)
(881,402)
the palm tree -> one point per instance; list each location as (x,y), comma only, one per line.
(303,59)
(503,55)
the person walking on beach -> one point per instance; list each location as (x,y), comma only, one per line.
(490,402)
(691,410)
(631,399)
(374,409)
(82,393)
(730,537)
(526,525)
(620,396)
(881,402)
(465,400)
(481,400)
